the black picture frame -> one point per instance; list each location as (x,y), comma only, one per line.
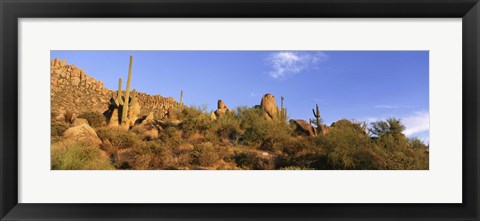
(11,11)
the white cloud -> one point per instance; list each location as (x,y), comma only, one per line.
(292,62)
(416,123)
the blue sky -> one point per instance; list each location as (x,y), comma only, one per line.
(361,85)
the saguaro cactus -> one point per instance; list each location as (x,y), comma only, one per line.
(317,115)
(119,100)
(181,98)
(283,110)
(127,94)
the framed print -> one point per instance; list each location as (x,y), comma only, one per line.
(239,110)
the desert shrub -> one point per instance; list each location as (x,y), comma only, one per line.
(267,134)
(399,152)
(78,155)
(118,138)
(205,154)
(251,161)
(391,127)
(295,168)
(146,132)
(194,119)
(95,119)
(171,137)
(416,143)
(151,155)
(303,152)
(349,147)
(403,154)
(58,128)
(227,127)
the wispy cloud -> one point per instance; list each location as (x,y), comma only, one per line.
(416,123)
(287,63)
(392,106)
(252,94)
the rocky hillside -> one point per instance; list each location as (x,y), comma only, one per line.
(72,90)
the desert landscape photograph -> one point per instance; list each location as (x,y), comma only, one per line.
(239,110)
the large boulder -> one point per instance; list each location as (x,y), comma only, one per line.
(79,121)
(133,113)
(269,107)
(213,116)
(303,127)
(323,130)
(114,118)
(222,109)
(82,132)
(148,127)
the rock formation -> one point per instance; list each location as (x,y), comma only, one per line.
(213,116)
(148,127)
(79,121)
(269,107)
(73,90)
(82,132)
(303,127)
(222,109)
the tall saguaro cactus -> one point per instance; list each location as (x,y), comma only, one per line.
(127,93)
(181,98)
(282,98)
(316,114)
(283,110)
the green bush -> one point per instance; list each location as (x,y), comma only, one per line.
(267,134)
(205,154)
(251,161)
(78,155)
(349,147)
(118,138)
(303,152)
(95,119)
(151,155)
(194,120)
(58,128)
(171,137)
(227,127)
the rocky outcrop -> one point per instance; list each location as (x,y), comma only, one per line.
(74,90)
(302,127)
(269,107)
(147,127)
(82,132)
(79,121)
(323,130)
(222,109)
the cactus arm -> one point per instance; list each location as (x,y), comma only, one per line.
(119,100)
(127,93)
